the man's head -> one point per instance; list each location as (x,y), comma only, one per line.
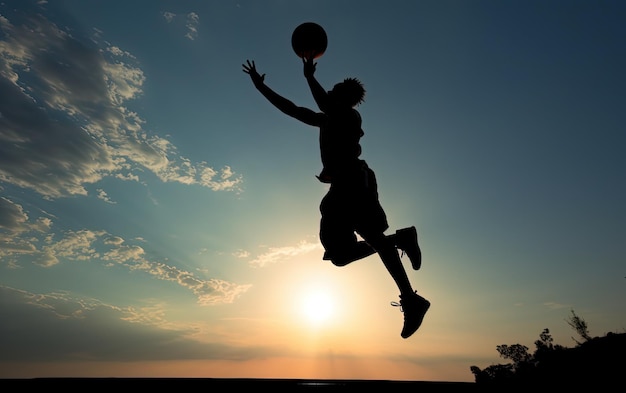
(349,92)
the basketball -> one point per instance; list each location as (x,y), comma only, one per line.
(309,40)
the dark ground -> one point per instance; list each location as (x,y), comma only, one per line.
(290,385)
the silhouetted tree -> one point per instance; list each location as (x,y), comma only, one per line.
(580,326)
(494,374)
(545,340)
(598,361)
(517,353)
(545,347)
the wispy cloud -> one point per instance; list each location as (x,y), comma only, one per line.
(22,237)
(192,22)
(64,121)
(169,16)
(129,334)
(278,254)
(103,195)
(555,306)
(241,254)
(64,124)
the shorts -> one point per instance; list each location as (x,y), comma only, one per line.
(351,206)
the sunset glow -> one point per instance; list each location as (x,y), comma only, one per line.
(159,218)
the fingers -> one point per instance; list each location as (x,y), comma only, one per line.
(308,61)
(249,67)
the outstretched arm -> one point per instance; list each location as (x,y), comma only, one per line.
(319,94)
(305,115)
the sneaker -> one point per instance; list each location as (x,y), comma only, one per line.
(406,240)
(414,308)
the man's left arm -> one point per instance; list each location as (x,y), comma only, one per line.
(319,94)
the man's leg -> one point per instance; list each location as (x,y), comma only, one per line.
(348,253)
(411,304)
(385,247)
(337,229)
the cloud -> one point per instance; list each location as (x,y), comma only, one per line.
(64,122)
(241,254)
(18,239)
(277,254)
(169,16)
(17,232)
(192,21)
(12,216)
(103,195)
(555,306)
(79,328)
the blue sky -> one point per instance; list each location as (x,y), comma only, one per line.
(159,218)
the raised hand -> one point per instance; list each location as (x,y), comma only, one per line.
(250,69)
(309,67)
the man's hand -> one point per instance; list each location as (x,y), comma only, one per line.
(250,69)
(309,67)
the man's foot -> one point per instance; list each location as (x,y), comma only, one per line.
(406,240)
(414,308)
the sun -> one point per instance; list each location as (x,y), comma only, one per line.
(317,306)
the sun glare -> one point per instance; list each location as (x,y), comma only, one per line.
(317,306)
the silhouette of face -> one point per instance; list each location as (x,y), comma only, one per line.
(339,95)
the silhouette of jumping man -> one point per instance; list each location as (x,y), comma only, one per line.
(351,205)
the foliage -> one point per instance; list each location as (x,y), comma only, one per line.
(580,326)
(596,360)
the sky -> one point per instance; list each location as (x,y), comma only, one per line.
(159,218)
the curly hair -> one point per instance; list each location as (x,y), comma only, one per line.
(356,90)
(352,90)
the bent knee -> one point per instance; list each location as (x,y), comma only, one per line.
(339,262)
(336,259)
